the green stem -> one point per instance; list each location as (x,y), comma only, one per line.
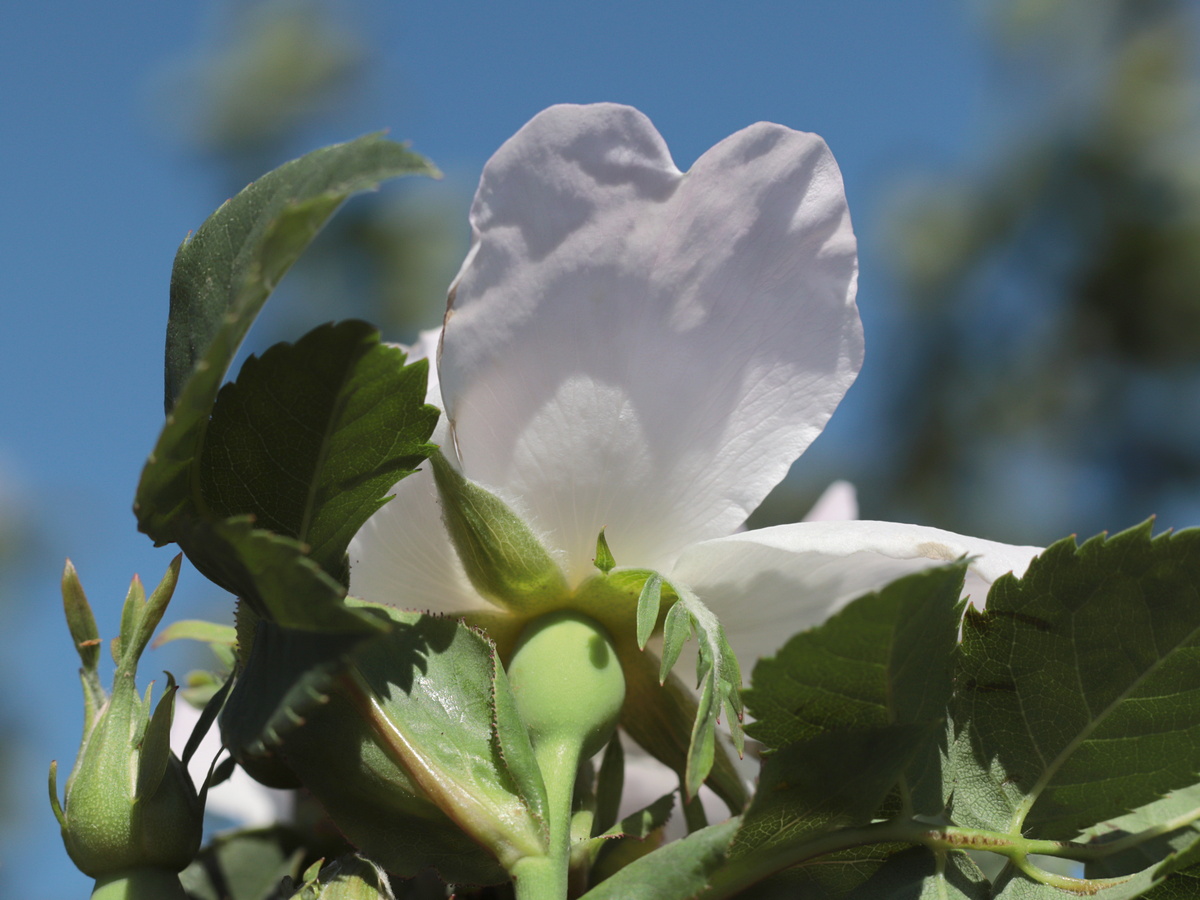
(744,872)
(545,877)
(139,884)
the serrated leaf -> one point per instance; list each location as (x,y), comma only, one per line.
(222,276)
(274,576)
(514,746)
(396,737)
(884,659)
(311,436)
(1079,686)
(1147,835)
(228,267)
(679,870)
(833,780)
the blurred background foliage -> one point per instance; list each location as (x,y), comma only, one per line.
(1051,348)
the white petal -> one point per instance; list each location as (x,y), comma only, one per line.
(632,347)
(240,799)
(768,584)
(403,555)
(839,503)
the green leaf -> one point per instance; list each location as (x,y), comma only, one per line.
(312,435)
(274,576)
(1079,686)
(398,740)
(244,865)
(1149,834)
(222,276)
(833,780)
(881,873)
(885,659)
(225,271)
(197,630)
(679,870)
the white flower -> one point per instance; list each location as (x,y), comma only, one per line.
(640,349)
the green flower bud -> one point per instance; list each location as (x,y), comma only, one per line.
(130,805)
(568,682)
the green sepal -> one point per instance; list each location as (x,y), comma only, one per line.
(610,783)
(156,742)
(504,559)
(604,559)
(677,628)
(198,630)
(85,635)
(647,610)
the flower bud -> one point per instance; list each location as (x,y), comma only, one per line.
(568,682)
(130,804)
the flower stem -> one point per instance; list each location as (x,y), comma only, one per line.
(545,877)
(139,884)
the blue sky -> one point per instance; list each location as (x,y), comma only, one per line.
(97,197)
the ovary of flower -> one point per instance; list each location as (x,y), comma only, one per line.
(637,348)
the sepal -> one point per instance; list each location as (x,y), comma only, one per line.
(502,556)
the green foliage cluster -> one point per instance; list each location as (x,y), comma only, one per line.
(1062,722)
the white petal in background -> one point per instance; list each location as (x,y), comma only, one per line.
(240,801)
(634,347)
(766,585)
(403,555)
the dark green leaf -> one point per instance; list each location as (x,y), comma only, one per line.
(1079,686)
(679,870)
(881,873)
(884,659)
(225,271)
(397,737)
(312,435)
(273,575)
(244,865)
(1148,834)
(833,780)
(222,277)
